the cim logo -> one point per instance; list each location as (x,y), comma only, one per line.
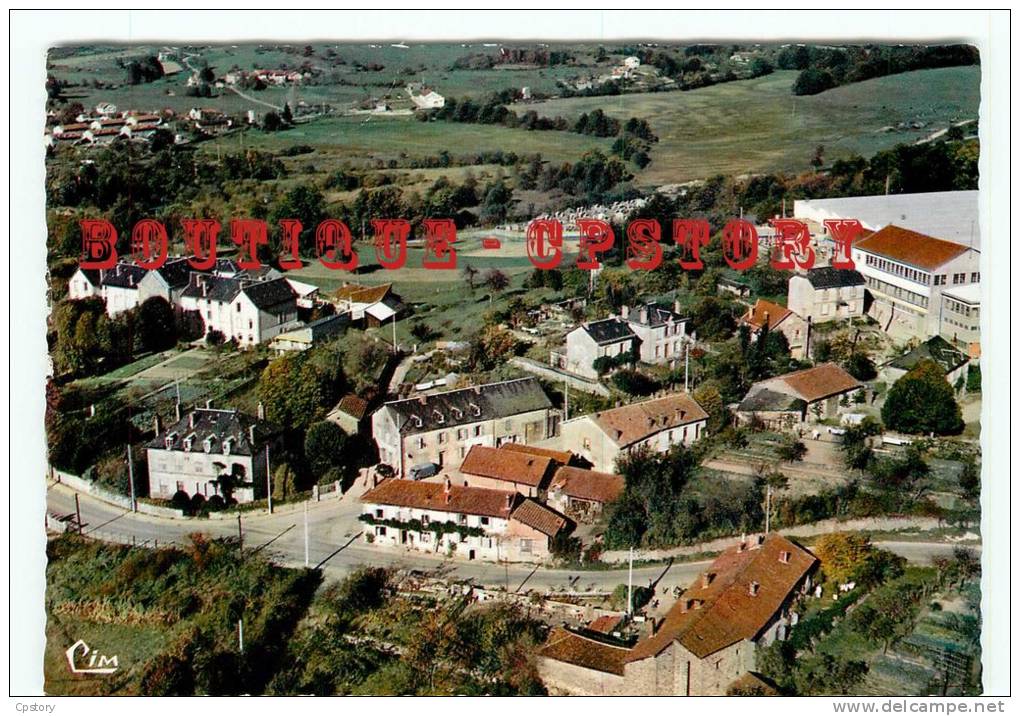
(84,660)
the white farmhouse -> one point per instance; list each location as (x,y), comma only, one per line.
(608,338)
(826,294)
(661,331)
(248,312)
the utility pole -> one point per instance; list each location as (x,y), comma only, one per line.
(630,585)
(240,635)
(131,479)
(768,506)
(77,511)
(240,536)
(566,399)
(269,482)
(306,533)
(687,364)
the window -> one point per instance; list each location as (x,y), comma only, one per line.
(238,307)
(586,443)
(380,531)
(527,545)
(421,443)
(975,277)
(378,514)
(442,438)
(940,280)
(959,278)
(462,519)
(485,521)
(478,430)
(462,433)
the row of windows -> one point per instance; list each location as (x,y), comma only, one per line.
(460,519)
(898,269)
(972,326)
(666,349)
(962,308)
(897,292)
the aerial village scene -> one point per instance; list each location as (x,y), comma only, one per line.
(497,478)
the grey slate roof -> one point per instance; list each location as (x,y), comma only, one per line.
(124,275)
(269,294)
(175,272)
(936,349)
(216,288)
(468,405)
(222,424)
(609,330)
(657,315)
(828,277)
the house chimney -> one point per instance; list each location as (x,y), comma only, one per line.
(643,316)
(784,557)
(676,306)
(208,404)
(706,579)
(447,485)
(260,411)
(509,500)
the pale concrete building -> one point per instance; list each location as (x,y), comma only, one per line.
(907,273)
(960,317)
(750,596)
(438,430)
(658,424)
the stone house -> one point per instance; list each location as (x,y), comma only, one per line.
(439,429)
(195,453)
(778,318)
(748,596)
(500,469)
(583,494)
(950,359)
(659,423)
(826,294)
(795,397)
(660,330)
(350,414)
(462,521)
(610,337)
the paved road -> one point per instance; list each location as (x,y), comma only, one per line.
(333,544)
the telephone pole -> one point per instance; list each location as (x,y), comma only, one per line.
(269,482)
(630,585)
(131,479)
(687,364)
(768,506)
(240,536)
(306,534)
(77,511)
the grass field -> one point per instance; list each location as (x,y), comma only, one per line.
(759,125)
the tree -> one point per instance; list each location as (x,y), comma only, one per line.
(813,81)
(287,117)
(156,324)
(708,397)
(923,401)
(470,273)
(284,481)
(271,122)
(818,159)
(496,279)
(843,555)
(791,449)
(325,446)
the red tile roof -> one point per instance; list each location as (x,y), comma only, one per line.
(507,465)
(763,312)
(909,247)
(354,406)
(635,422)
(719,608)
(605,623)
(601,487)
(442,497)
(820,382)
(537,516)
(563,457)
(586,652)
(356,293)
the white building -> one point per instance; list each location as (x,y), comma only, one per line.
(210,452)
(950,215)
(906,274)
(960,317)
(661,331)
(248,312)
(609,338)
(461,521)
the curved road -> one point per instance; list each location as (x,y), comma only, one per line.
(334,546)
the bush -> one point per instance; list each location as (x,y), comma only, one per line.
(634,382)
(181,501)
(216,504)
(197,503)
